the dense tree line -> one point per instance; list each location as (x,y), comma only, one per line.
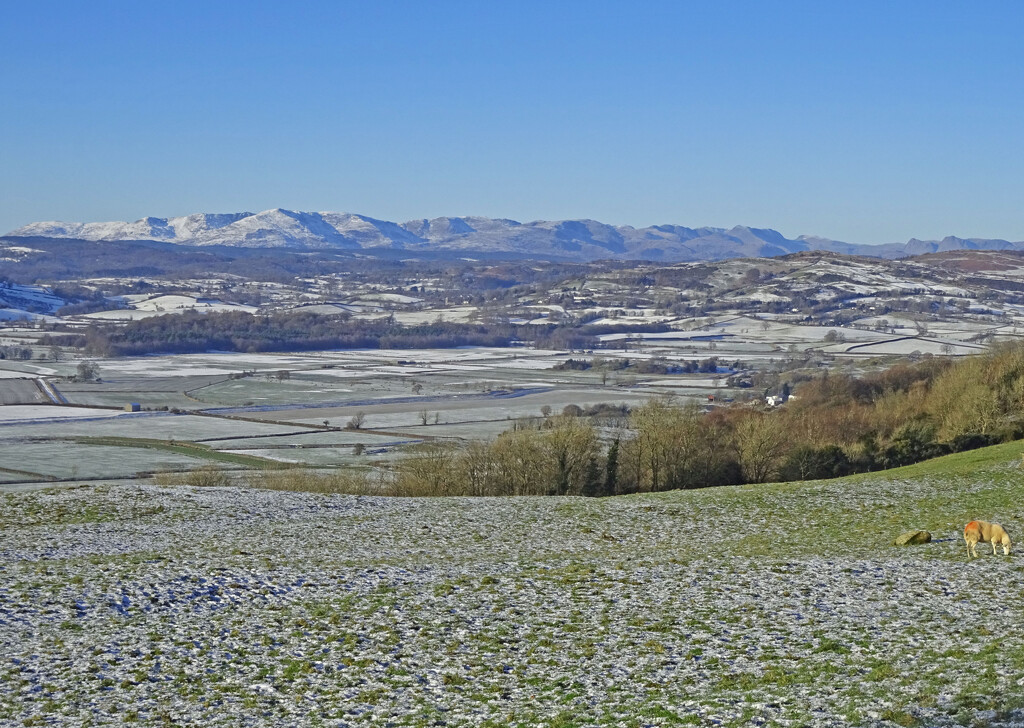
(841,424)
(192,332)
(15,352)
(299,331)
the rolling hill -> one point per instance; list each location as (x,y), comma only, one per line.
(563,240)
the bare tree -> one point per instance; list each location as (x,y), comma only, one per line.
(430,470)
(760,444)
(356,422)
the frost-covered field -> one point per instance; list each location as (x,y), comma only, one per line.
(385,416)
(770,605)
(15,374)
(64,459)
(154,425)
(46,413)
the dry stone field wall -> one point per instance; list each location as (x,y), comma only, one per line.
(783,605)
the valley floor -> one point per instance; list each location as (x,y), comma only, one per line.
(761,605)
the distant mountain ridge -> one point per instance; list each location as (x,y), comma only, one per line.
(571,240)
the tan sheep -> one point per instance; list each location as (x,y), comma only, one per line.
(986,532)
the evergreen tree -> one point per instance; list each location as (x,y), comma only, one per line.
(562,482)
(611,469)
(592,479)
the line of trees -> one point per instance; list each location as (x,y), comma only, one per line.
(15,352)
(665,447)
(192,332)
(562,457)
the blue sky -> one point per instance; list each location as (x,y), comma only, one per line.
(865,122)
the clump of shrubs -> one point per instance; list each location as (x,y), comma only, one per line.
(206,476)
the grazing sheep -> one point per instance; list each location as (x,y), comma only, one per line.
(986,532)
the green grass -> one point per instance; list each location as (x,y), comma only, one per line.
(970,463)
(33,512)
(861,514)
(28,473)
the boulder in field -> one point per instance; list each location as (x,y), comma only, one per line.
(912,538)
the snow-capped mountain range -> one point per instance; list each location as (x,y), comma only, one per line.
(579,240)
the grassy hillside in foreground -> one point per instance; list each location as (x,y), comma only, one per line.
(780,604)
(862,513)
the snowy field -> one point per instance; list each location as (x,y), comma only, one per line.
(146,305)
(477,392)
(224,606)
(467,393)
(9,368)
(502,411)
(152,425)
(453,314)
